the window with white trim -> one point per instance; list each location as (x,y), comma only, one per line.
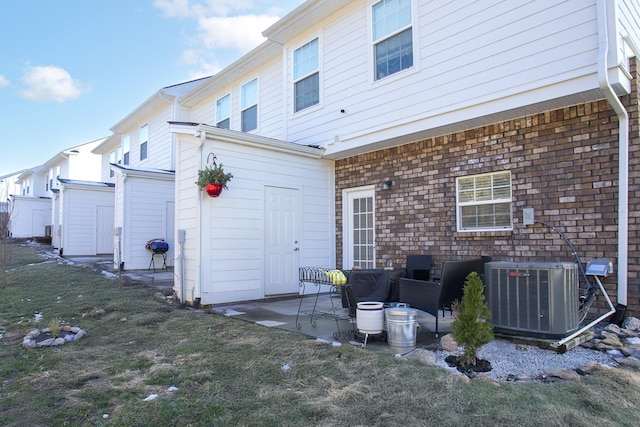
(223,112)
(112,160)
(483,202)
(306,76)
(126,148)
(249,106)
(392,35)
(144,140)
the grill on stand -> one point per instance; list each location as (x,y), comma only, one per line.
(157,247)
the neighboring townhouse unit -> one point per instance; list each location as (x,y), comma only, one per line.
(31,206)
(43,207)
(68,231)
(468,112)
(85,212)
(139,159)
(8,187)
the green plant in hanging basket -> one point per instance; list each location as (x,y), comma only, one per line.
(213,175)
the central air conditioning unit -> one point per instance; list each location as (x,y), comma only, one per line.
(538,299)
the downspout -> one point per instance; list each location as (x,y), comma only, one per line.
(203,138)
(623,149)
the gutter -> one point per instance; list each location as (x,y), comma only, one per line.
(623,149)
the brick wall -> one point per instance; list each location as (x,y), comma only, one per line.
(563,163)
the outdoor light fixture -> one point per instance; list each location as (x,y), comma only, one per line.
(386,185)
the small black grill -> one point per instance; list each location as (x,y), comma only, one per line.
(157,247)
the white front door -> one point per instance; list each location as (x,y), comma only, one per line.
(104,230)
(358,234)
(281,240)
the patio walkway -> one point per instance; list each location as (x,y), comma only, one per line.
(281,313)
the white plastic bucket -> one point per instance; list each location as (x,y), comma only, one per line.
(370,317)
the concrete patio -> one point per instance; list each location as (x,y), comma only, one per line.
(331,322)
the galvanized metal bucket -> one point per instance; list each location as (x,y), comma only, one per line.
(402,326)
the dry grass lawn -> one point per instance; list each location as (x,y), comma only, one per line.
(229,372)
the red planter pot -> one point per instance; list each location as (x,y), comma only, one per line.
(213,190)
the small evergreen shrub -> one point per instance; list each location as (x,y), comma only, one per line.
(472,327)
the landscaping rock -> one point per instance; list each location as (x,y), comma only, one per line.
(486,379)
(631,323)
(423,356)
(563,374)
(447,343)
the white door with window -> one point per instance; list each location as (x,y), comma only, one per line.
(281,240)
(358,219)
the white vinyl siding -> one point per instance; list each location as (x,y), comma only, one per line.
(79,218)
(230,243)
(484,202)
(522,54)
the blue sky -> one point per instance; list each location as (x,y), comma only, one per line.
(71,69)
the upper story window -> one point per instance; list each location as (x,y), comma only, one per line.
(55,182)
(392,37)
(484,202)
(144,140)
(223,112)
(112,159)
(306,76)
(126,148)
(249,105)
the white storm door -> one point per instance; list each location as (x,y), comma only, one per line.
(359,228)
(104,230)
(281,241)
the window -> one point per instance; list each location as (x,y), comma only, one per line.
(126,147)
(223,109)
(306,76)
(249,106)
(392,37)
(484,202)
(144,139)
(112,159)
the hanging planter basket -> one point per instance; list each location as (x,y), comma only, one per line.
(213,179)
(213,190)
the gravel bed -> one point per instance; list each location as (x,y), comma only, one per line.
(510,360)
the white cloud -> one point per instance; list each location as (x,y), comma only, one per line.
(234,26)
(239,32)
(3,81)
(50,83)
(201,67)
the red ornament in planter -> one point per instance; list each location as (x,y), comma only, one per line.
(213,190)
